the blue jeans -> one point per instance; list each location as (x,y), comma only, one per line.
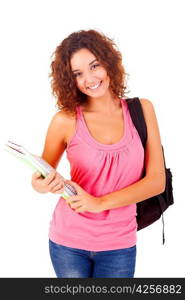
(77,263)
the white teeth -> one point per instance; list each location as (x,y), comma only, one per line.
(94,87)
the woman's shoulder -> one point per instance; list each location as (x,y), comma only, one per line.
(64,117)
(146,102)
(147,107)
(66,121)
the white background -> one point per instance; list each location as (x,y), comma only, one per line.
(150,36)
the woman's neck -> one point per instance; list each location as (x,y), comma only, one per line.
(105,104)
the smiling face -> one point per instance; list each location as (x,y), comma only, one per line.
(91,77)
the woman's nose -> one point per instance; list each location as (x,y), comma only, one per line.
(88,78)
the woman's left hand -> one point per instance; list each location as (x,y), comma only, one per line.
(83,201)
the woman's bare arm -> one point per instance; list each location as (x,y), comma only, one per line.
(54,147)
(55,141)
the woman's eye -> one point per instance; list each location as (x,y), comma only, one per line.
(94,66)
(76,74)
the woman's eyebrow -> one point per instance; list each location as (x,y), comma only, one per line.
(89,65)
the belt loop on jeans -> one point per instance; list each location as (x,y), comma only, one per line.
(92,254)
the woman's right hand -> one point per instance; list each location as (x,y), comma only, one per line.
(53,183)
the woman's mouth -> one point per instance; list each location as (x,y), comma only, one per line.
(94,87)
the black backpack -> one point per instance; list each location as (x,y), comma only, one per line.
(151,209)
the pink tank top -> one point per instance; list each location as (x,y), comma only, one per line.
(100,169)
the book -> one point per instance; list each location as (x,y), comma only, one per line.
(36,163)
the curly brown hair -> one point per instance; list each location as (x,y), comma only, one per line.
(63,83)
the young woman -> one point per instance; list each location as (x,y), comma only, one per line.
(93,234)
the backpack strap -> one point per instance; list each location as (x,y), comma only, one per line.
(137,116)
(136,112)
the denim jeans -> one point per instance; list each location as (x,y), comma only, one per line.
(77,263)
